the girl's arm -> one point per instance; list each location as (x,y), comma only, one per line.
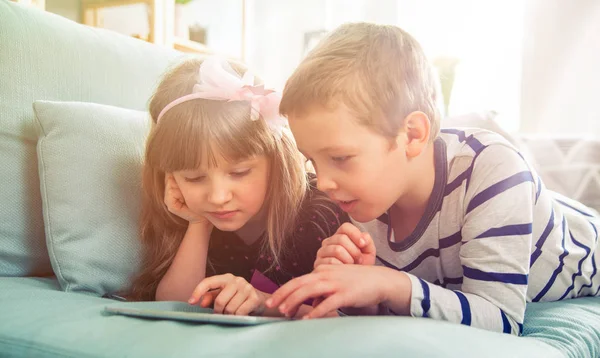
(188,267)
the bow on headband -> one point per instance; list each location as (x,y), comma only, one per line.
(219,82)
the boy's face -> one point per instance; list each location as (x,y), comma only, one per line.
(361,170)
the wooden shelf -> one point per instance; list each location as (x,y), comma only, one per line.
(96,4)
(91,14)
(161,17)
(40,4)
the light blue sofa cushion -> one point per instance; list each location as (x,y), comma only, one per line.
(573,326)
(47,57)
(40,321)
(90,159)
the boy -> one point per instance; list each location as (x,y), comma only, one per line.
(464,229)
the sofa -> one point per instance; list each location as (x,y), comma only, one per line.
(72,130)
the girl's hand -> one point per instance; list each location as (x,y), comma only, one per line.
(176,203)
(230,295)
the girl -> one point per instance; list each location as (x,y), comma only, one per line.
(229,212)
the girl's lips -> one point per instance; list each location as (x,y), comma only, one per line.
(223,214)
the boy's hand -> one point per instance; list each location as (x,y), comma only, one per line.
(343,286)
(230,295)
(175,202)
(347,246)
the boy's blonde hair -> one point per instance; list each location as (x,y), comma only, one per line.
(379,72)
(200,132)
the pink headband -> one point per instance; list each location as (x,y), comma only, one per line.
(218,81)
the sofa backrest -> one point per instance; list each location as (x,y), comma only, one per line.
(47,57)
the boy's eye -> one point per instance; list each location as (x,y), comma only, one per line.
(241,173)
(341,159)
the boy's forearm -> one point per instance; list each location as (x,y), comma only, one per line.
(396,294)
(188,267)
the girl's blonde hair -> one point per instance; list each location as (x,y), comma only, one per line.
(379,72)
(200,132)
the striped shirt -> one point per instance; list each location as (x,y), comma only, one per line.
(492,238)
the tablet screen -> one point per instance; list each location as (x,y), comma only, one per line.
(181,311)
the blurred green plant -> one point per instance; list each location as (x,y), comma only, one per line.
(446,67)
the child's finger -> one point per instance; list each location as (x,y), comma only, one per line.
(167,188)
(317,300)
(208,284)
(247,307)
(176,204)
(284,291)
(336,251)
(236,301)
(353,234)
(172,193)
(327,261)
(209,297)
(171,183)
(176,193)
(224,298)
(331,303)
(303,293)
(171,179)
(294,311)
(173,188)
(369,248)
(349,245)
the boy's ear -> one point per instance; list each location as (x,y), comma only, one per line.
(416,128)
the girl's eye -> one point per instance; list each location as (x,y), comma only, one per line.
(340,159)
(195,179)
(241,173)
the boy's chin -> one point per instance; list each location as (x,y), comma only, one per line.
(362,217)
(365,216)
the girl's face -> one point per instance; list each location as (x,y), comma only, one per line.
(229,195)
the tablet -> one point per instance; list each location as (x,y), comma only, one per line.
(181,311)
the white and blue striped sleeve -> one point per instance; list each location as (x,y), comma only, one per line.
(498,203)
